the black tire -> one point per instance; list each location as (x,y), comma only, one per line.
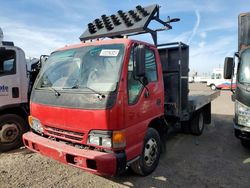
(12,127)
(245,143)
(197,124)
(144,166)
(213,87)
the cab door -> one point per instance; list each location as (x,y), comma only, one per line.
(9,79)
(143,103)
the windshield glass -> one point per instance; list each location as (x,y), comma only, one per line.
(94,67)
(244,72)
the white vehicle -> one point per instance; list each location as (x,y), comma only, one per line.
(15,86)
(200,79)
(191,79)
(217,80)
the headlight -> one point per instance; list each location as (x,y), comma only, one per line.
(100,138)
(35,124)
(242,114)
(108,139)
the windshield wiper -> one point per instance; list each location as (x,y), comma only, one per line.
(100,95)
(73,87)
(96,92)
(57,94)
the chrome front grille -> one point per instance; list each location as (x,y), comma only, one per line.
(64,134)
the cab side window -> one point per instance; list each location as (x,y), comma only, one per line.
(7,62)
(134,85)
(150,66)
(213,76)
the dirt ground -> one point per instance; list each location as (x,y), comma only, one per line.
(215,159)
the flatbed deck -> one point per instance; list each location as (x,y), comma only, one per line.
(196,99)
(199,98)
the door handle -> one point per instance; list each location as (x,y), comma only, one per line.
(15,92)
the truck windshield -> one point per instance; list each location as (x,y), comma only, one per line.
(95,67)
(244,71)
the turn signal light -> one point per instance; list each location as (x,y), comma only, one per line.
(119,139)
(30,120)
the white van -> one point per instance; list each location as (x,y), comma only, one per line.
(217,80)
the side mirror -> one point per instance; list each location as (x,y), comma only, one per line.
(228,67)
(145,81)
(140,60)
(43,59)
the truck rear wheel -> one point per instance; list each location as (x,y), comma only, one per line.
(197,124)
(12,128)
(150,155)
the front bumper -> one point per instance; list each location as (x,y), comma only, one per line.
(242,132)
(96,162)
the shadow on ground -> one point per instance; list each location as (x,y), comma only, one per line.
(215,159)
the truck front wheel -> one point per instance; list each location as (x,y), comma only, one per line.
(12,128)
(197,124)
(150,155)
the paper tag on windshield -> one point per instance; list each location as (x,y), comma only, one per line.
(108,53)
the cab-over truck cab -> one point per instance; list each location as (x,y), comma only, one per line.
(241,95)
(13,96)
(17,75)
(98,102)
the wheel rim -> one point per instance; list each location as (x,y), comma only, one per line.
(9,133)
(201,121)
(213,87)
(150,152)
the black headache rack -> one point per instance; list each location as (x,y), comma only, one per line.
(175,67)
(129,23)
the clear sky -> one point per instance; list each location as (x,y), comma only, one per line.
(208,26)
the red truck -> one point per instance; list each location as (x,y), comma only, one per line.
(105,105)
